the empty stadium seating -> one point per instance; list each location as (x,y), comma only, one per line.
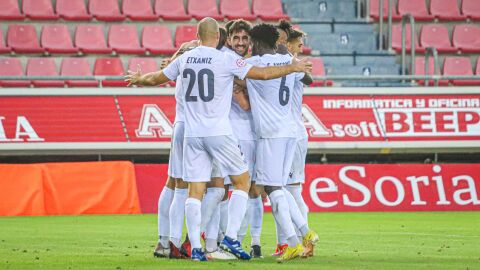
(420,70)
(375,7)
(56,39)
(156,39)
(185,33)
(9,10)
(446,10)
(90,38)
(171,10)
(415,7)
(138,10)
(235,9)
(72,10)
(3,47)
(22,38)
(397,39)
(109,67)
(268,10)
(459,66)
(43,66)
(436,35)
(39,10)
(325,10)
(105,10)
(124,39)
(12,67)
(466,37)
(77,67)
(204,8)
(471,9)
(318,70)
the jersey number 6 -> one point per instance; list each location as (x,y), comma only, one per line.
(284,93)
(188,72)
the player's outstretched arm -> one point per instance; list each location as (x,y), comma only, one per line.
(149,79)
(268,73)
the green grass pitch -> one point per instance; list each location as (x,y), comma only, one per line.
(439,240)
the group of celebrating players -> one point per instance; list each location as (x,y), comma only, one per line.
(238,127)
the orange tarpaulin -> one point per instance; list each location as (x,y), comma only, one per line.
(68,189)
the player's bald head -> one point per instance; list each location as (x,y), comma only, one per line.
(208,29)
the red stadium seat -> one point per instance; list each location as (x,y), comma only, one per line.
(109,67)
(420,70)
(105,10)
(477,70)
(43,67)
(466,37)
(3,47)
(375,6)
(77,67)
(446,10)
(471,9)
(138,10)
(12,67)
(123,38)
(56,39)
(39,10)
(185,33)
(171,10)
(22,38)
(319,70)
(436,35)
(268,10)
(417,8)
(146,64)
(459,66)
(90,38)
(73,10)
(236,9)
(397,39)
(9,10)
(157,39)
(204,8)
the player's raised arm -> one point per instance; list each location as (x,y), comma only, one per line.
(149,79)
(268,73)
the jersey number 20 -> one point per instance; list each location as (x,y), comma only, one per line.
(205,97)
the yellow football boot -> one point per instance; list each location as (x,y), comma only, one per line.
(309,242)
(291,253)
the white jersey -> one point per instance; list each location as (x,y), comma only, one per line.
(207,83)
(241,120)
(271,100)
(297,100)
(180,104)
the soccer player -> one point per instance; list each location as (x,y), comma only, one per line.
(276,128)
(207,80)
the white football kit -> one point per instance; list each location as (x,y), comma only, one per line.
(273,121)
(175,166)
(207,83)
(297,173)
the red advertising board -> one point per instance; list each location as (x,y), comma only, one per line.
(363,187)
(328,118)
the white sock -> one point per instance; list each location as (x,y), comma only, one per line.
(255,206)
(295,213)
(210,201)
(236,211)
(281,212)
(244,226)
(164,202)
(177,215)
(281,238)
(224,216)
(213,226)
(255,241)
(211,245)
(194,216)
(296,192)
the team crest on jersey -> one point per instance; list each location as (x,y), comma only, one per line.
(241,63)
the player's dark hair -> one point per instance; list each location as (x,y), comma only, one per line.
(228,25)
(285,26)
(239,25)
(223,37)
(265,34)
(294,34)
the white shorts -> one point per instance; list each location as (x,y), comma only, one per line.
(175,161)
(199,154)
(297,173)
(248,148)
(273,161)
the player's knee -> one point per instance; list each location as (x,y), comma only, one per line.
(255,191)
(180,184)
